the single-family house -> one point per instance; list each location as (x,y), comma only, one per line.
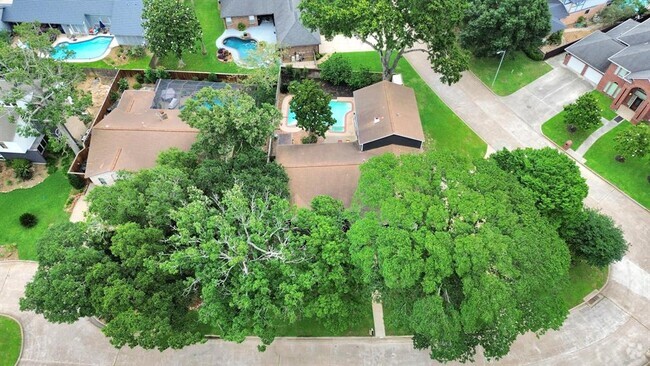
(567,12)
(122,18)
(285,16)
(386,121)
(618,63)
(14,144)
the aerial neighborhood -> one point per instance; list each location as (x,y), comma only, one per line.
(292,182)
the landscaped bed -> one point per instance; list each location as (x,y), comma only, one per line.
(516,71)
(46,201)
(10,341)
(556,129)
(631,176)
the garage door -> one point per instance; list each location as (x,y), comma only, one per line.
(576,65)
(593,75)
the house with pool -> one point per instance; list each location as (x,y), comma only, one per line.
(272,21)
(380,118)
(120,19)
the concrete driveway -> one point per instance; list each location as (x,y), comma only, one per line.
(540,100)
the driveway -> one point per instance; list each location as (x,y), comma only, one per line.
(545,97)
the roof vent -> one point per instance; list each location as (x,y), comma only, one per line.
(376,120)
(162,115)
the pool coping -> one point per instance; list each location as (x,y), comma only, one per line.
(65,39)
(284,127)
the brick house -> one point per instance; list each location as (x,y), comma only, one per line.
(285,16)
(618,63)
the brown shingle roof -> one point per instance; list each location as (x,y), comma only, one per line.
(131,136)
(331,169)
(386,109)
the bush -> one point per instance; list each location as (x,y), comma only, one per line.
(555,37)
(534,53)
(5,36)
(152,75)
(136,52)
(22,168)
(336,70)
(213,77)
(139,78)
(122,84)
(113,96)
(137,86)
(309,139)
(76,181)
(584,113)
(52,163)
(28,220)
(361,78)
(241,27)
(620,158)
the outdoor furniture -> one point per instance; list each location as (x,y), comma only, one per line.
(173,103)
(168,94)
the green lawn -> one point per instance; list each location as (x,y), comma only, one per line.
(555,128)
(10,341)
(212,25)
(136,64)
(46,201)
(583,279)
(516,71)
(631,177)
(443,128)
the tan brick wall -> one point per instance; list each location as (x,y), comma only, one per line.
(643,111)
(587,13)
(237,20)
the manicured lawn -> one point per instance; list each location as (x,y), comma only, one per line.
(583,279)
(46,201)
(516,71)
(443,128)
(212,25)
(137,64)
(10,341)
(555,128)
(631,177)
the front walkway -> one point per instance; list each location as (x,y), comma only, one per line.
(606,127)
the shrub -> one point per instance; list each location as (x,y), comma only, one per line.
(534,53)
(213,77)
(22,168)
(152,75)
(336,70)
(76,181)
(139,78)
(28,220)
(5,36)
(555,37)
(309,139)
(52,163)
(136,52)
(122,84)
(361,78)
(137,86)
(113,96)
(241,26)
(584,113)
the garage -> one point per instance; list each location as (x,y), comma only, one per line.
(576,65)
(593,75)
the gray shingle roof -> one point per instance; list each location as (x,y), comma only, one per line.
(595,50)
(637,35)
(634,58)
(125,14)
(289,29)
(558,12)
(622,28)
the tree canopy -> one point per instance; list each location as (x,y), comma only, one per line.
(584,113)
(170,27)
(40,91)
(634,142)
(311,105)
(460,250)
(622,9)
(395,27)
(495,25)
(555,180)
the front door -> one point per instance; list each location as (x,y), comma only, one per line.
(636,103)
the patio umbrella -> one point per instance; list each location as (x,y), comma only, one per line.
(101,25)
(168,94)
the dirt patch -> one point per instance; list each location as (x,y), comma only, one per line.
(8,252)
(572,34)
(98,86)
(9,182)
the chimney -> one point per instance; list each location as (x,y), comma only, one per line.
(162,115)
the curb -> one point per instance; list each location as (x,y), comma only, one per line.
(22,336)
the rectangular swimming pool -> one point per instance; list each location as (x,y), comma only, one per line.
(339,110)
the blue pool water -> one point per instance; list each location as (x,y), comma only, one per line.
(339,110)
(243,46)
(84,50)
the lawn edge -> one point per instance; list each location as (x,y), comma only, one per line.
(22,331)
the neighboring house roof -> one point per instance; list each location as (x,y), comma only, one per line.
(289,29)
(637,35)
(131,136)
(125,14)
(327,169)
(384,109)
(558,12)
(595,50)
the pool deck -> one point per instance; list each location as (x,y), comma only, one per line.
(348,134)
(63,38)
(264,32)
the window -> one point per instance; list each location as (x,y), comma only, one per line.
(612,89)
(228,20)
(102,181)
(621,72)
(2,145)
(251,19)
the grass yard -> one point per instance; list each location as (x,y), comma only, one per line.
(516,71)
(10,341)
(631,176)
(555,128)
(443,128)
(208,13)
(583,279)
(46,200)
(137,64)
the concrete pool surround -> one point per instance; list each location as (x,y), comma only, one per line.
(348,133)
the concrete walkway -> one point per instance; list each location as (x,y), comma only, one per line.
(606,127)
(378,317)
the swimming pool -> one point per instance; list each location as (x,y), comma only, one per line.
(84,50)
(243,46)
(339,110)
